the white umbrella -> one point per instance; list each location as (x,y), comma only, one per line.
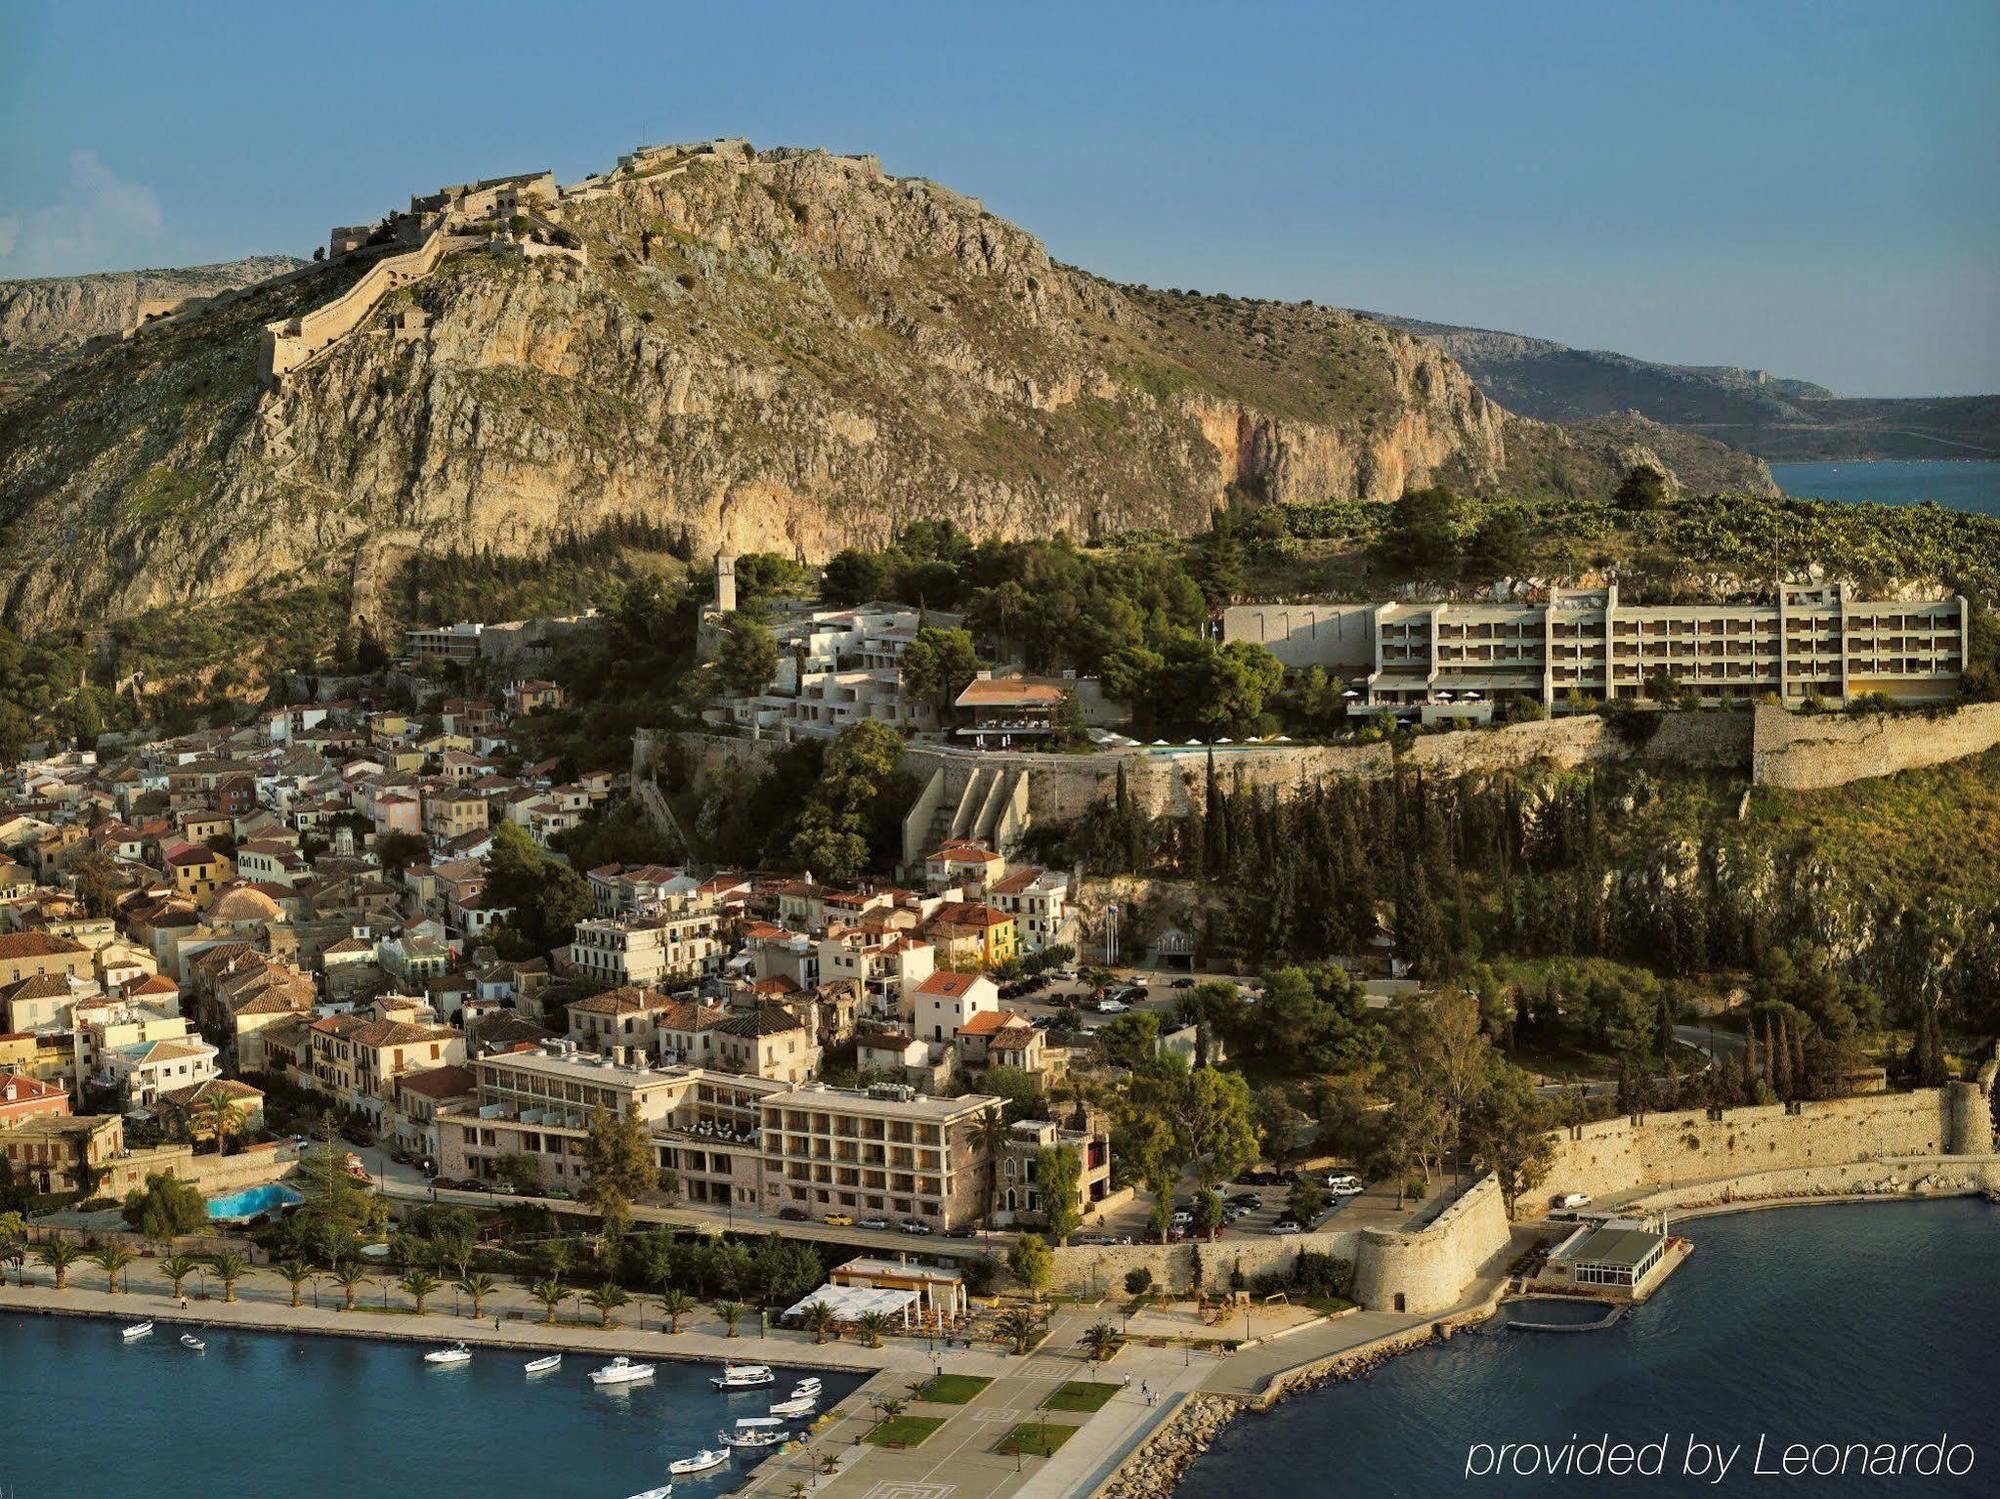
(1350,693)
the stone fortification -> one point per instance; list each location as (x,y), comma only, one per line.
(1809,752)
(1100,1269)
(1683,1148)
(1429,1269)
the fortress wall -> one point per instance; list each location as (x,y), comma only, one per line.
(1808,752)
(1682,1147)
(1916,1176)
(1429,1269)
(1100,1269)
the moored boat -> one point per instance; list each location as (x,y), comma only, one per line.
(754,1431)
(189,1340)
(542,1365)
(458,1353)
(701,1462)
(137,1330)
(661,1492)
(807,1386)
(798,1405)
(743,1377)
(621,1370)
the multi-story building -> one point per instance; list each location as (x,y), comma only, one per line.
(26,955)
(1020,1195)
(1456,660)
(879,1151)
(356,1059)
(145,1070)
(767,1041)
(1038,900)
(946,1000)
(647,950)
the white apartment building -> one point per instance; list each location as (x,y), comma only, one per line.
(946,1000)
(1038,900)
(646,951)
(144,1070)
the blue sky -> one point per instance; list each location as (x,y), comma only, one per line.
(1810,188)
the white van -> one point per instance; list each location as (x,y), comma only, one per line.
(1573,1200)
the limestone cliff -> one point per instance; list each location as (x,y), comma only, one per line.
(46,319)
(783,350)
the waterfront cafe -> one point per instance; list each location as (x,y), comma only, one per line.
(1619,1253)
(938,1293)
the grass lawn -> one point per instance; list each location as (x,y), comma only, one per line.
(1035,1440)
(951,1389)
(905,1431)
(1080,1395)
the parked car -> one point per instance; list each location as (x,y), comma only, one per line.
(1097,1240)
(1346,1186)
(1573,1200)
(793,1215)
(877,1223)
(1112,1007)
(1287,1226)
(561,1194)
(962,1231)
(1244,1200)
(914,1226)
(838,1220)
(1183,983)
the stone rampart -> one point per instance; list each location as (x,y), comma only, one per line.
(1912,1176)
(1428,1269)
(1682,1147)
(288,344)
(1812,751)
(1100,1269)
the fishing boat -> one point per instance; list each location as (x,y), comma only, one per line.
(743,1377)
(543,1365)
(754,1431)
(189,1340)
(621,1370)
(807,1386)
(137,1330)
(458,1353)
(798,1405)
(701,1462)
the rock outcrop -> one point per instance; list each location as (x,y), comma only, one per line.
(785,351)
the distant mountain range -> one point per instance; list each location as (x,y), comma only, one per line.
(1775,418)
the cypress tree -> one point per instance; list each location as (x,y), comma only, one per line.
(1781,1078)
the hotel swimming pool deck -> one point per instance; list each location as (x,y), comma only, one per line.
(251,1201)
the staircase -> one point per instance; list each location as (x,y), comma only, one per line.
(977,802)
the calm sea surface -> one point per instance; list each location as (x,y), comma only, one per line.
(84,1417)
(1870,1322)
(1972,485)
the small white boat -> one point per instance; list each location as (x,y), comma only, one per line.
(701,1462)
(807,1386)
(798,1405)
(743,1377)
(750,1437)
(661,1492)
(543,1365)
(137,1330)
(621,1370)
(458,1353)
(189,1340)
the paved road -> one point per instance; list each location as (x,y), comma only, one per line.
(1716,1044)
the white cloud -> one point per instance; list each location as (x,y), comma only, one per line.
(99,221)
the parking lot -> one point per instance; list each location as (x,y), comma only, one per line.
(1375,1207)
(1056,999)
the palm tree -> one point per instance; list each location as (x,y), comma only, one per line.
(992,1135)
(177,1268)
(674,1305)
(350,1276)
(228,1267)
(731,1313)
(417,1285)
(112,1260)
(296,1273)
(476,1288)
(549,1293)
(873,1325)
(1101,1339)
(1019,1326)
(59,1255)
(607,1298)
(887,1408)
(223,1118)
(15,1252)
(819,1320)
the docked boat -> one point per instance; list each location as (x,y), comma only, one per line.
(701,1462)
(662,1492)
(807,1386)
(754,1431)
(137,1330)
(743,1377)
(621,1370)
(458,1353)
(189,1340)
(798,1405)
(543,1365)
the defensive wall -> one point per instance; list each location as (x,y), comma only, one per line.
(1652,1153)
(1428,1269)
(1812,751)
(1100,1269)
(289,343)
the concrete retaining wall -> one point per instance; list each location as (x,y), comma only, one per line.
(1428,1269)
(1808,752)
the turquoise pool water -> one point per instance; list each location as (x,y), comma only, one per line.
(253,1200)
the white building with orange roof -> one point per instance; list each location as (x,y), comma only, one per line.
(947,1000)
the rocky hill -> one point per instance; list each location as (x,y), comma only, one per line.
(1749,410)
(784,350)
(47,319)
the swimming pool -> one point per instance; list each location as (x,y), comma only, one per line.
(253,1200)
